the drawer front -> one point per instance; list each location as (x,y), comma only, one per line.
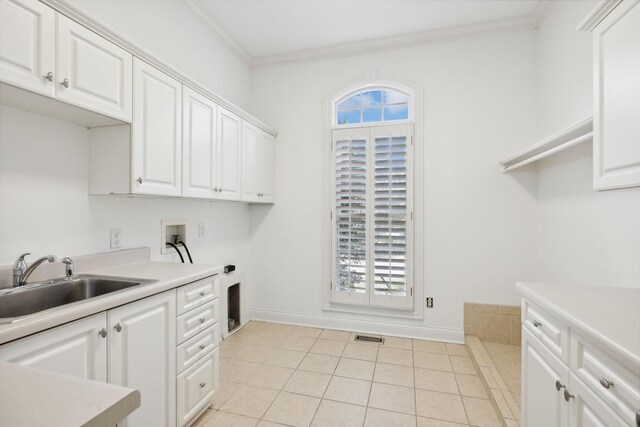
(192,323)
(196,386)
(547,328)
(616,385)
(194,349)
(197,294)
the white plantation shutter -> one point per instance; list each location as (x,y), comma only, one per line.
(372,242)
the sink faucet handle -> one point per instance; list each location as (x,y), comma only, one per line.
(20,261)
(68,268)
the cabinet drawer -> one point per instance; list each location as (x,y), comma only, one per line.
(196,321)
(192,350)
(550,330)
(196,386)
(597,371)
(196,294)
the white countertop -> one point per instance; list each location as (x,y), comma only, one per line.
(608,315)
(33,397)
(168,275)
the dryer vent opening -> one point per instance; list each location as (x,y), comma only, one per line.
(233,307)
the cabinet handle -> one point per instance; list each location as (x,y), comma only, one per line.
(202,293)
(65,83)
(103,332)
(605,383)
(568,396)
(49,76)
(536,324)
(202,320)
(118,327)
(202,385)
(201,346)
(139,180)
(559,385)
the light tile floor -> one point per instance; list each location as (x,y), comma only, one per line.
(275,375)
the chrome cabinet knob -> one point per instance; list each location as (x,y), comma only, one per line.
(49,76)
(559,385)
(202,385)
(103,332)
(201,320)
(201,346)
(202,293)
(65,83)
(118,327)
(605,383)
(139,180)
(567,395)
(536,323)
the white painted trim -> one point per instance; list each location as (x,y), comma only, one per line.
(566,138)
(598,13)
(214,29)
(366,326)
(541,11)
(69,9)
(519,23)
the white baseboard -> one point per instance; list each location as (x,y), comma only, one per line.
(391,329)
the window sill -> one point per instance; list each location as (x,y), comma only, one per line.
(413,314)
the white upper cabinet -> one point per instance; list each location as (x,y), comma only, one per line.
(92,72)
(199,146)
(229,156)
(258,165)
(616,149)
(27,45)
(156,132)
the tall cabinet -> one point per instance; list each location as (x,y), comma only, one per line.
(616,119)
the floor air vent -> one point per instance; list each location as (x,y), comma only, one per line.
(367,338)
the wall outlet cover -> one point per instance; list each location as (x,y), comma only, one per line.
(116,234)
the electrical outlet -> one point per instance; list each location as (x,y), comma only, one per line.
(116,233)
(201,229)
(429,302)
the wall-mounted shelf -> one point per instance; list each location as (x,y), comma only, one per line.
(566,138)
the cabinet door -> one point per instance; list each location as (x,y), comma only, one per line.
(93,73)
(199,148)
(27,45)
(588,410)
(77,349)
(229,155)
(258,154)
(142,356)
(156,132)
(196,386)
(542,404)
(616,126)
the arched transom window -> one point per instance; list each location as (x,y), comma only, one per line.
(373,105)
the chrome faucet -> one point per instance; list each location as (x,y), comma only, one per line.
(68,268)
(21,272)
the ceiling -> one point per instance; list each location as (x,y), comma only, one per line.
(267,32)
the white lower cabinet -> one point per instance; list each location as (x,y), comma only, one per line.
(587,390)
(78,349)
(196,386)
(142,356)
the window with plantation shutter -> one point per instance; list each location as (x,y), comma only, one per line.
(372,215)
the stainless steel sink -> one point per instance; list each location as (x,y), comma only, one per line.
(17,303)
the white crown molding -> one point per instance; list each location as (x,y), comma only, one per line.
(541,11)
(598,13)
(214,29)
(520,23)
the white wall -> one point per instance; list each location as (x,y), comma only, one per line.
(169,32)
(584,236)
(479,98)
(45,207)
